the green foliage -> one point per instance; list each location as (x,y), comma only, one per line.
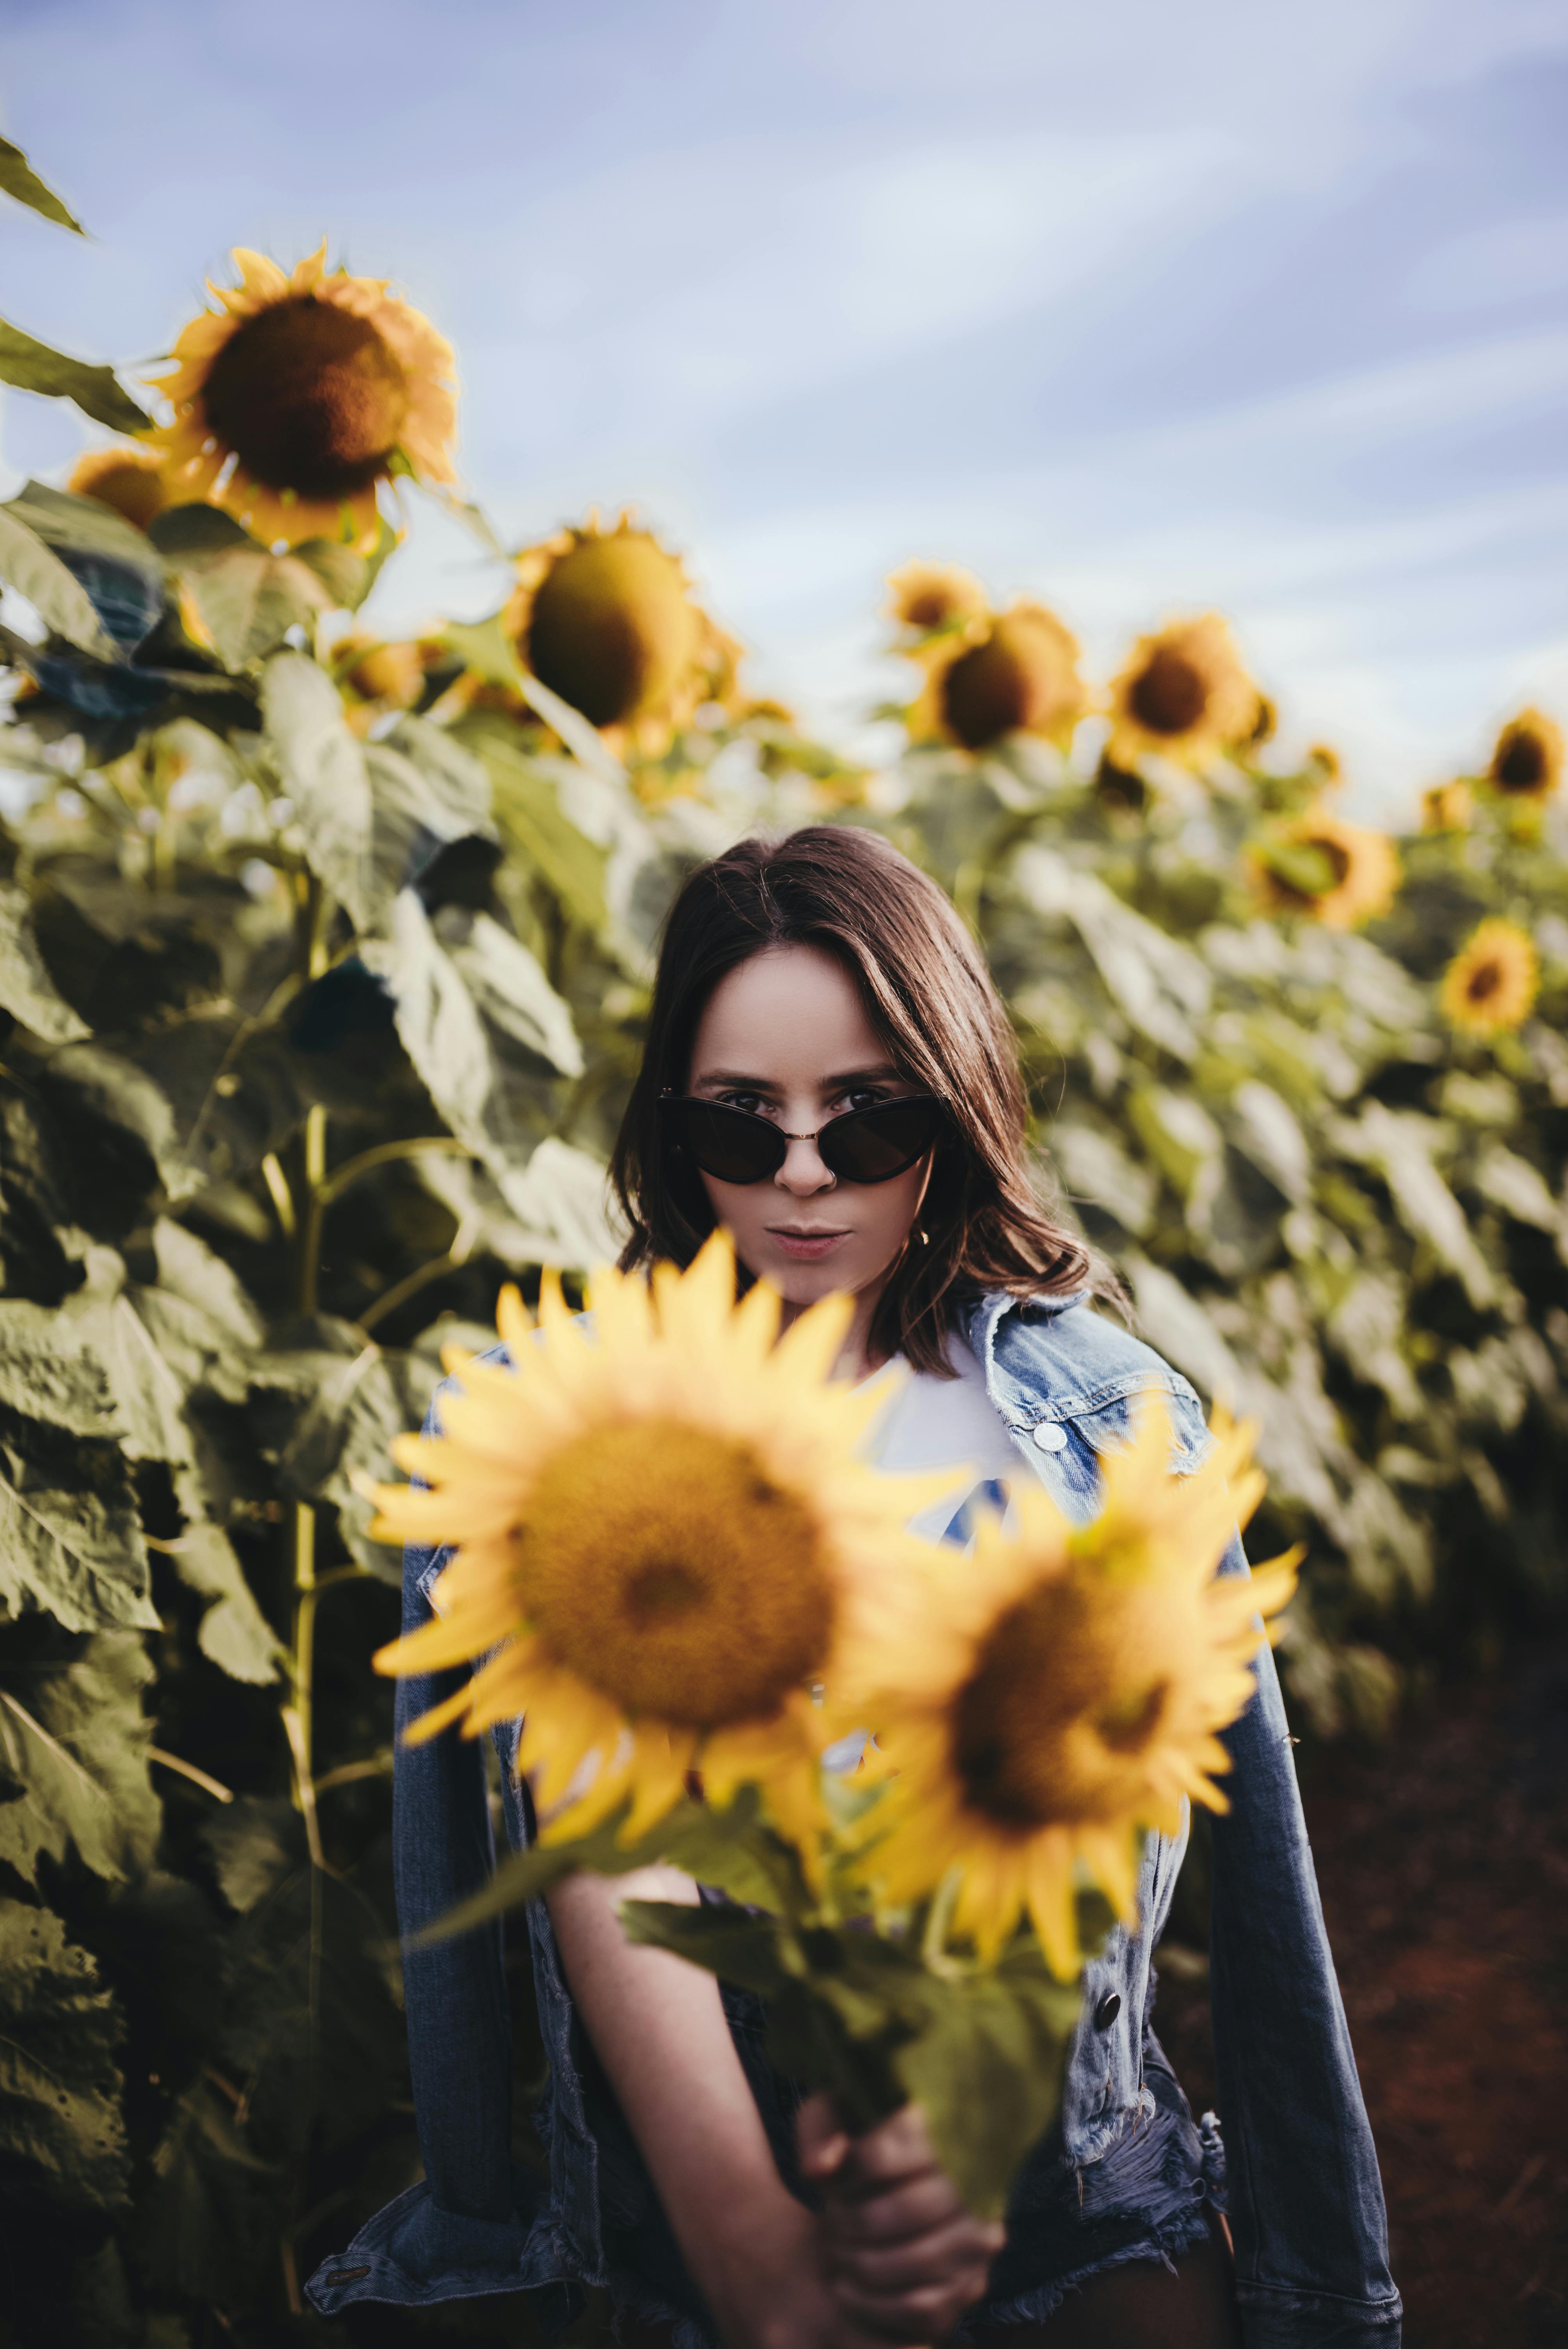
(315,1027)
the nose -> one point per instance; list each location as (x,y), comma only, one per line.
(803,1171)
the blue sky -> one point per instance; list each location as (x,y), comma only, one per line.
(1134,307)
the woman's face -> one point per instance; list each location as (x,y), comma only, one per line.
(785,1036)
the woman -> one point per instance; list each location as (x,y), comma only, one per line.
(830,1075)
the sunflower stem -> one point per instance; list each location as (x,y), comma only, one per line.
(938,1921)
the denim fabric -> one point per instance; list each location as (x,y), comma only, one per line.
(1123,2175)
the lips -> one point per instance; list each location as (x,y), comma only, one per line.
(806,1246)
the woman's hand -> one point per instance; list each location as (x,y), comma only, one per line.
(903,2257)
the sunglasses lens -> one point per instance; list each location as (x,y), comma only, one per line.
(872,1146)
(725,1142)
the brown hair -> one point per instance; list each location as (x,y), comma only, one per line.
(928,994)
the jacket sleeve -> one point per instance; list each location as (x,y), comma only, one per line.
(459,2030)
(1305,2199)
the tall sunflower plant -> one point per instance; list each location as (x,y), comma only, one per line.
(920,1779)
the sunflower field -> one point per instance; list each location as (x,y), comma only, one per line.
(324,963)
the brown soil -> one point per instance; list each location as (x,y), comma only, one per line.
(1443,1863)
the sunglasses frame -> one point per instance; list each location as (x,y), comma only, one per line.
(674,1102)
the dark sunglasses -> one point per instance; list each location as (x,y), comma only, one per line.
(864,1145)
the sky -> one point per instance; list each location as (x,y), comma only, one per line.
(1134,308)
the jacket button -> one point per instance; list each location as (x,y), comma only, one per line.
(1107,2010)
(1050,1437)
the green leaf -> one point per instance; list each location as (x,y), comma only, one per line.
(70,1533)
(324,772)
(58,597)
(425,791)
(242,601)
(346,577)
(33,366)
(986,2070)
(724,1848)
(26,990)
(18,178)
(498,1109)
(510,987)
(74,1733)
(206,1098)
(81,525)
(740,1949)
(530,814)
(62,2138)
(342,1413)
(233,1633)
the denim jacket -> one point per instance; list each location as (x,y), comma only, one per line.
(1305,2198)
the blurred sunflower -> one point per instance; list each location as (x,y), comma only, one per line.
(1183,694)
(1493,982)
(1447,807)
(295,403)
(1055,1695)
(1015,674)
(665,1526)
(128,478)
(1340,873)
(1327,761)
(606,618)
(926,595)
(1527,757)
(376,679)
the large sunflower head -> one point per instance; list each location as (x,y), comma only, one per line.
(296,400)
(1527,757)
(1493,982)
(607,619)
(1183,694)
(924,596)
(124,476)
(664,1523)
(1047,1701)
(1332,872)
(1015,674)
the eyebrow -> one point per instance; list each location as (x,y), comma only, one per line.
(740,1077)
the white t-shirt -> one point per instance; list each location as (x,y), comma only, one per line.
(933,1422)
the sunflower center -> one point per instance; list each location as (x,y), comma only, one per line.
(928,607)
(1065,1700)
(310,399)
(666,1567)
(1170,694)
(1484,982)
(1521,765)
(1015,679)
(611,627)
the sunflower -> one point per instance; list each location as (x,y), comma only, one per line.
(1016,674)
(606,618)
(1492,981)
(1051,1698)
(1447,807)
(1183,694)
(125,477)
(666,1527)
(376,679)
(301,397)
(1527,757)
(922,596)
(1340,873)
